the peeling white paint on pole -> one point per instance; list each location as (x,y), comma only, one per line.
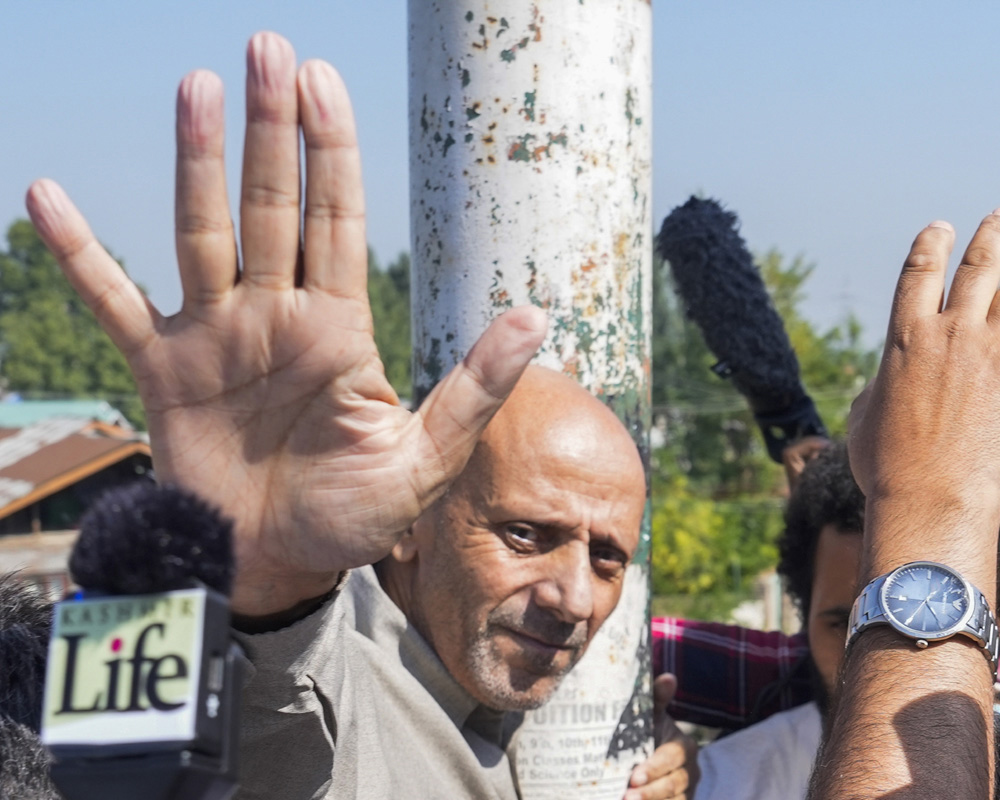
(530,183)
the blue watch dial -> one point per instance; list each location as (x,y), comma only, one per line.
(926,598)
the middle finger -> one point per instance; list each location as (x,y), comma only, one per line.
(269,206)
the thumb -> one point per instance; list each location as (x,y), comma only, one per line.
(458,409)
(664,689)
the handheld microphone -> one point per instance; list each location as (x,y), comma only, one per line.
(24,764)
(25,623)
(724,295)
(143,679)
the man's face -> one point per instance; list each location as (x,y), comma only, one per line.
(835,575)
(524,559)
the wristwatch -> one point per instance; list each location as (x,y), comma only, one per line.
(927,602)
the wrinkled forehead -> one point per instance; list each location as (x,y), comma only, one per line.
(564,475)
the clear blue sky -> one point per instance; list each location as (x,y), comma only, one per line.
(835,130)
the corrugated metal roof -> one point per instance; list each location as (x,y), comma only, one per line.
(21,413)
(30,440)
(48,456)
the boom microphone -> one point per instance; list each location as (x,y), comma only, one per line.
(143,679)
(725,296)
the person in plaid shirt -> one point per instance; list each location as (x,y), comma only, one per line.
(728,676)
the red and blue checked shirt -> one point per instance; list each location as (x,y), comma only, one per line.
(727,676)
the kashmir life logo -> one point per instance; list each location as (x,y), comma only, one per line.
(123,668)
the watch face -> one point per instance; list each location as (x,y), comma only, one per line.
(927,599)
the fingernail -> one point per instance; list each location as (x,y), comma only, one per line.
(639,777)
(940,223)
(996,212)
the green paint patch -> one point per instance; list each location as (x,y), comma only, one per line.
(508,55)
(529,105)
(499,296)
(532,281)
(465,78)
(469,137)
(521,150)
(468,16)
(448,142)
(472,111)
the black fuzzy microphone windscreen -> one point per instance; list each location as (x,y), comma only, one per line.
(145,538)
(25,625)
(724,295)
(24,764)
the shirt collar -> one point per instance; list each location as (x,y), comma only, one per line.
(382,621)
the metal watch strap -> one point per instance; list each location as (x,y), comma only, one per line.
(867,611)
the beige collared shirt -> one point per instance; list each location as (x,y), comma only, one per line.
(351,702)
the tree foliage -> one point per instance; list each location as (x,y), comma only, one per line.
(389,295)
(50,343)
(716,495)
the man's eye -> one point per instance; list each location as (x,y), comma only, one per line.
(608,560)
(521,537)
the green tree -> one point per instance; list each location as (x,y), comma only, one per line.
(389,295)
(50,343)
(717,497)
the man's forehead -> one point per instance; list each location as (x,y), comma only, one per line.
(559,499)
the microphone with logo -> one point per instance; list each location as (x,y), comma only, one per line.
(143,678)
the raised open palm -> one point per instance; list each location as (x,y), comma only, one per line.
(265,393)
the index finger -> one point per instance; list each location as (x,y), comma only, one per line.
(122,311)
(920,289)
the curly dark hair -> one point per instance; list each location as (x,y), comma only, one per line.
(826,495)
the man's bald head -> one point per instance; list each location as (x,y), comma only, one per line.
(551,416)
(511,573)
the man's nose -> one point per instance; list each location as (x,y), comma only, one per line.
(566,587)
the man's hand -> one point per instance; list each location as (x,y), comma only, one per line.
(926,434)
(265,393)
(925,450)
(671,773)
(798,454)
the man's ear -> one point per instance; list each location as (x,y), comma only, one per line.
(405,549)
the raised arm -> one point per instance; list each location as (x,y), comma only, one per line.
(265,393)
(925,449)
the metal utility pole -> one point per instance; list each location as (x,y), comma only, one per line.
(530,183)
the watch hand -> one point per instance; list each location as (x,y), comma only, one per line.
(915,612)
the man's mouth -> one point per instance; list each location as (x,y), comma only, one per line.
(538,645)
